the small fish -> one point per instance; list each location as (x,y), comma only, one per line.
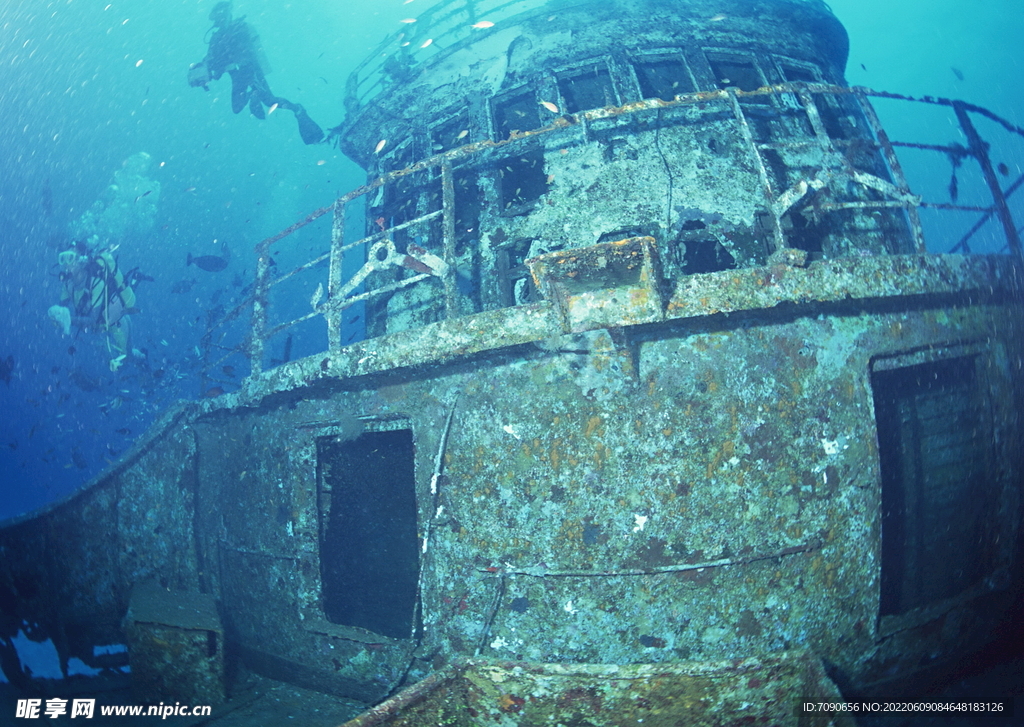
(214,391)
(272,109)
(717,18)
(380,145)
(228,370)
(407,21)
(957,72)
(549,106)
(144,194)
(462,134)
(863,67)
(125,431)
(427,42)
(1003,169)
(483,24)
(190,189)
(71,350)
(209,263)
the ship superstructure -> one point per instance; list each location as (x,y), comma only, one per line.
(652,364)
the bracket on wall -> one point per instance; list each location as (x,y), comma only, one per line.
(602,285)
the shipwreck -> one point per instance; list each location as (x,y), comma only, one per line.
(655,364)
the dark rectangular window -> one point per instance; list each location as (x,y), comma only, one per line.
(587,89)
(935,444)
(523,179)
(736,71)
(516,113)
(663,77)
(369,556)
(450,133)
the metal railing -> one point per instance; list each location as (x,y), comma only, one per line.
(416,264)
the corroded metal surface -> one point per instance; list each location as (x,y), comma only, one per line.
(770,690)
(176,646)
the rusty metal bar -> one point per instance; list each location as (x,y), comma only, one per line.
(957,207)
(885,204)
(260,302)
(811,109)
(294,322)
(448,235)
(980,151)
(779,239)
(305,266)
(331,315)
(985,217)
(895,167)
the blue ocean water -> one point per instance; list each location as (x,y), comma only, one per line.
(87,84)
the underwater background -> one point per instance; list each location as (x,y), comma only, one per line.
(87,84)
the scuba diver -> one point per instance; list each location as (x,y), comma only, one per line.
(95,295)
(235,48)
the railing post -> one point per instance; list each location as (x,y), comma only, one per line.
(778,238)
(259,308)
(979,149)
(448,233)
(333,313)
(894,166)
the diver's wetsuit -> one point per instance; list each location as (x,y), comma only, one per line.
(233,48)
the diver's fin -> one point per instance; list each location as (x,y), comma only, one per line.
(256,108)
(309,130)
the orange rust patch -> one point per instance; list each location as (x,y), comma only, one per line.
(510,703)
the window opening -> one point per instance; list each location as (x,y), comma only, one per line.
(588,89)
(450,134)
(522,179)
(369,560)
(808,231)
(935,441)
(663,78)
(516,113)
(704,256)
(739,72)
(829,107)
